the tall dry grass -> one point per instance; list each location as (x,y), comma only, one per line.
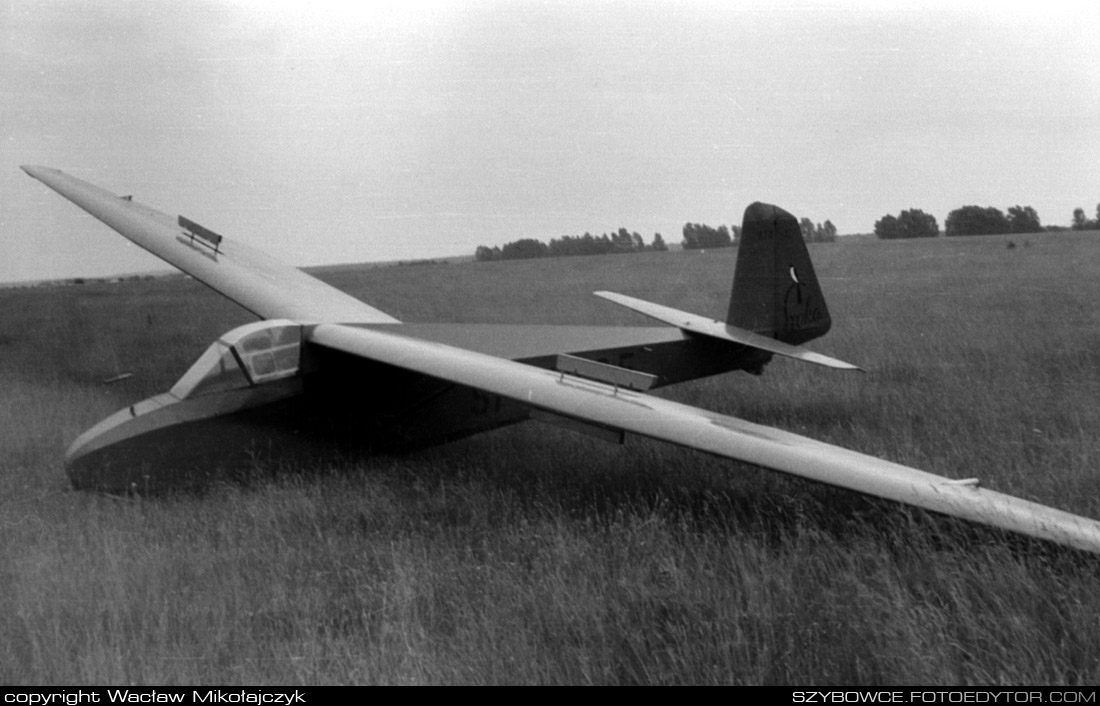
(533,556)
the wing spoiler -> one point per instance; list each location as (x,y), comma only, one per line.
(693,323)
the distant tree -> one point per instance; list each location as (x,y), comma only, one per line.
(622,240)
(735,232)
(523,249)
(484,254)
(1079,220)
(694,237)
(699,237)
(658,243)
(820,233)
(560,247)
(975,220)
(887,228)
(910,223)
(1023,219)
(569,245)
(918,224)
(807,227)
(690,242)
(824,233)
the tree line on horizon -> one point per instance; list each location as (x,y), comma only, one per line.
(696,236)
(619,242)
(975,220)
(700,237)
(909,223)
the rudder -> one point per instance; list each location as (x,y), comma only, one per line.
(775,290)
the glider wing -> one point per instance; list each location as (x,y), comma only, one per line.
(607,406)
(258,282)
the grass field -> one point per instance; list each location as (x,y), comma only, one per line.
(530,555)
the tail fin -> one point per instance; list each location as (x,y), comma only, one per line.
(775,291)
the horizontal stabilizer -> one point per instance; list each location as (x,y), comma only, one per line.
(693,323)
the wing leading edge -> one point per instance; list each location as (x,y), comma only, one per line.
(733,438)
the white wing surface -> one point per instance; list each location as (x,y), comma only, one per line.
(258,282)
(730,437)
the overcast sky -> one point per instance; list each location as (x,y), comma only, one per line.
(325,134)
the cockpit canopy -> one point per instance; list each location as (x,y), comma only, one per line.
(249,355)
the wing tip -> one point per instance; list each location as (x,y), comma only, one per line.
(39,172)
(827,361)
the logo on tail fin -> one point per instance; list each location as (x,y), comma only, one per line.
(799,308)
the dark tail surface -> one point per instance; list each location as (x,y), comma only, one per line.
(775,290)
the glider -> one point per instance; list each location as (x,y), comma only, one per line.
(323,369)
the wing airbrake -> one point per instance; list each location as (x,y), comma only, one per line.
(258,282)
(608,406)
